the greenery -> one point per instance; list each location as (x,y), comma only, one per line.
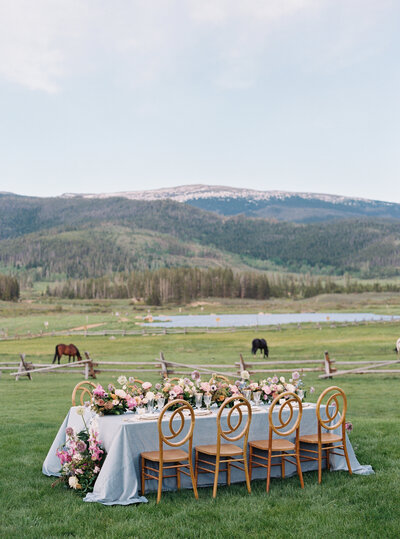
(9,288)
(348,506)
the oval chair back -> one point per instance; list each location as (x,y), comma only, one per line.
(237,425)
(219,378)
(278,423)
(335,408)
(171,437)
(82,390)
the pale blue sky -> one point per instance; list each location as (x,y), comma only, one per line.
(298,95)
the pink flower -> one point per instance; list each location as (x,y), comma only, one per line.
(195,375)
(275,380)
(295,375)
(81,446)
(177,390)
(131,403)
(146,385)
(99,391)
(69,431)
(267,390)
(205,386)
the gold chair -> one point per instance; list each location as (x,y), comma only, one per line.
(276,447)
(219,377)
(83,389)
(328,441)
(136,381)
(227,453)
(174,458)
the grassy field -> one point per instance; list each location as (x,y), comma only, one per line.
(344,506)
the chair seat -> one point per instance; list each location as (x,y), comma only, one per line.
(170,455)
(227,450)
(277,445)
(326,438)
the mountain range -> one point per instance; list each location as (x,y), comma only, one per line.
(280,205)
(75,236)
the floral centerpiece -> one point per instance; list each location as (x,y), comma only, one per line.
(272,387)
(113,401)
(81,457)
(184,388)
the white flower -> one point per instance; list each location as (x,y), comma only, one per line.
(80,410)
(120,393)
(291,387)
(245,375)
(122,380)
(150,395)
(73,482)
(282,379)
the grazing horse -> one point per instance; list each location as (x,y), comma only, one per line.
(259,344)
(397,349)
(69,350)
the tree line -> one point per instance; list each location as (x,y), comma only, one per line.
(185,284)
(9,288)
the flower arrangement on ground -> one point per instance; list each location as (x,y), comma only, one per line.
(81,457)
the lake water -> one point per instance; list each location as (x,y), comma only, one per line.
(252,320)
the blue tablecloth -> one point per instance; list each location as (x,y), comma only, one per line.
(125,437)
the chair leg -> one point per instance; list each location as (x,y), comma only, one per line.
(269,468)
(196,463)
(160,476)
(299,472)
(194,485)
(246,471)
(283,467)
(178,478)
(216,471)
(250,462)
(319,463)
(328,463)
(142,476)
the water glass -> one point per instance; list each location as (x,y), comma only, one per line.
(247,394)
(300,394)
(207,400)
(160,403)
(199,400)
(150,406)
(256,398)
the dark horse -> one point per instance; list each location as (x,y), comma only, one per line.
(259,344)
(69,350)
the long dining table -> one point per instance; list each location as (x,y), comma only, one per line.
(125,436)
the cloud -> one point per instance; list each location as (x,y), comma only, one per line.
(46,43)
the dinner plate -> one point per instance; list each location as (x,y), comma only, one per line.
(202,412)
(148,417)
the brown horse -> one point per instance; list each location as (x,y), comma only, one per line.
(69,350)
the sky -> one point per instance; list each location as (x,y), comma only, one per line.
(296,95)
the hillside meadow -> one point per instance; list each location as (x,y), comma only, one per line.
(344,505)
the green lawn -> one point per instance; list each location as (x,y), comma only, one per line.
(343,506)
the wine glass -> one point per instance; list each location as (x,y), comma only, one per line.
(199,400)
(207,400)
(257,398)
(160,403)
(300,393)
(247,394)
(150,406)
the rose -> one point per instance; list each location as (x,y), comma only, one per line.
(205,386)
(146,385)
(177,390)
(120,393)
(291,388)
(149,395)
(73,482)
(80,446)
(245,375)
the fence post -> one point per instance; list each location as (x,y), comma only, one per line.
(164,368)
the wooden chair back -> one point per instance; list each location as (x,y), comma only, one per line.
(279,422)
(136,382)
(82,390)
(171,435)
(333,400)
(238,425)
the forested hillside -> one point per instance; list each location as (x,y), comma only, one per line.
(78,238)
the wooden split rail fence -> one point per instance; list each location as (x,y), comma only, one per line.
(169,368)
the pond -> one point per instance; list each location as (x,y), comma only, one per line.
(263,319)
